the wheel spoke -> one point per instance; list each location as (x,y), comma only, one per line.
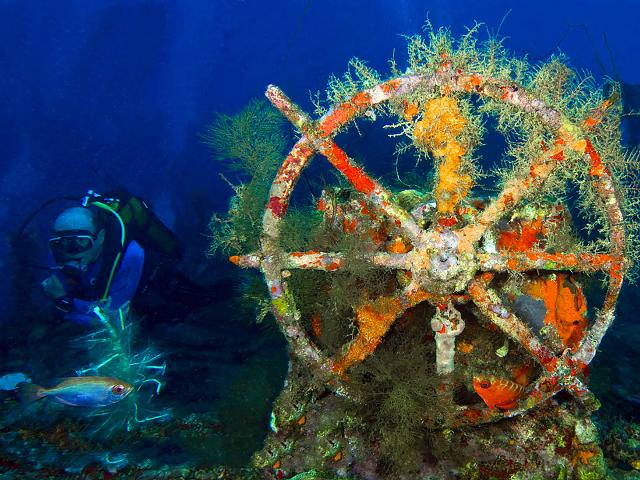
(377,195)
(525,261)
(493,308)
(514,191)
(373,320)
(312,260)
(320,137)
(332,261)
(414,294)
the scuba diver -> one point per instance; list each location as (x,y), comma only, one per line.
(84,282)
(106,252)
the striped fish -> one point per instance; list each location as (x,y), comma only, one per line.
(497,392)
(78,391)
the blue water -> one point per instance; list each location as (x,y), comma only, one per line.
(105,94)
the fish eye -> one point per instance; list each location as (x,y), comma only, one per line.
(118,389)
(485,384)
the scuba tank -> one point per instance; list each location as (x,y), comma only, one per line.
(128,218)
(138,222)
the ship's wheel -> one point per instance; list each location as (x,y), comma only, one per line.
(446,262)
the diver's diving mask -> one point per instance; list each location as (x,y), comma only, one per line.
(70,243)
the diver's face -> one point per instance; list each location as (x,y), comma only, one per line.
(78,251)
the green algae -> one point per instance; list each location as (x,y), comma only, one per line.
(250,144)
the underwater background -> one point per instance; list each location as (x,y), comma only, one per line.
(106,95)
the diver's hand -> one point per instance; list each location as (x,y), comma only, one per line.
(53,288)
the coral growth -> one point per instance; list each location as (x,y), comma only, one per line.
(250,143)
(438,131)
(566,306)
(373,321)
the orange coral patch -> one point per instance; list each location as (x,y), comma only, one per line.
(332,266)
(316,325)
(565,303)
(390,86)
(344,113)
(410,111)
(584,456)
(558,156)
(437,131)
(377,235)
(397,245)
(472,414)
(598,168)
(374,320)
(591,122)
(521,237)
(355,175)
(447,221)
(465,347)
(349,225)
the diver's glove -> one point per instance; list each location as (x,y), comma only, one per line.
(85,313)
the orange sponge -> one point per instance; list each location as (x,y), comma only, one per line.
(437,131)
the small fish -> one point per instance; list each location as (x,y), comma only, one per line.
(78,391)
(497,392)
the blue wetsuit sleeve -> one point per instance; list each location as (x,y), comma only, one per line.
(123,287)
(81,312)
(125,282)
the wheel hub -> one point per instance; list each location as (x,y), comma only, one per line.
(439,266)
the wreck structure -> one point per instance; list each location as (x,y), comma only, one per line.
(447,331)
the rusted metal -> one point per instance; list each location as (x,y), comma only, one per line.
(529,261)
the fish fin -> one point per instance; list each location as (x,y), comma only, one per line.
(522,374)
(29,393)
